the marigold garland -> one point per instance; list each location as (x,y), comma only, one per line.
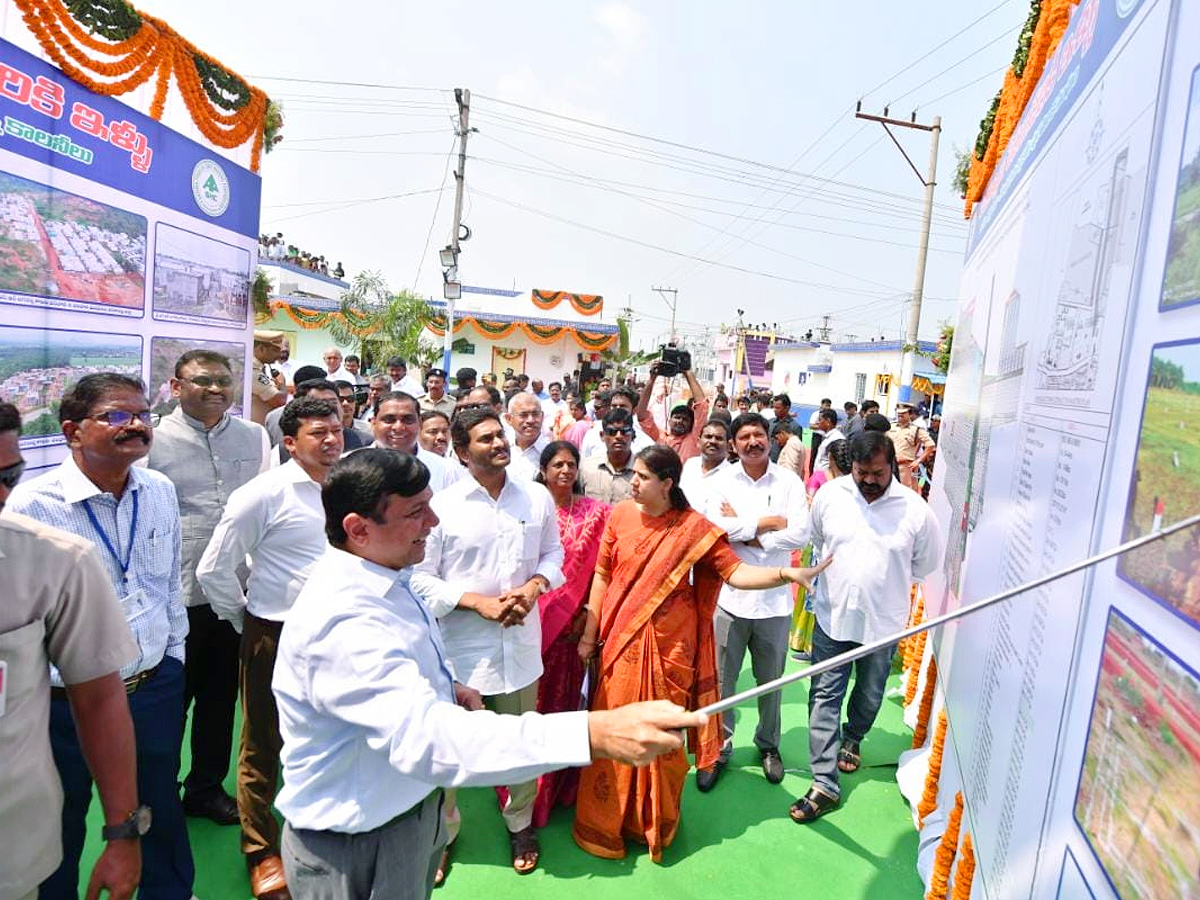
(539,334)
(1049,23)
(928,802)
(922,729)
(224,107)
(916,612)
(914,651)
(584,304)
(943,859)
(965,873)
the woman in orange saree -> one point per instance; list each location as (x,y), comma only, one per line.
(653,627)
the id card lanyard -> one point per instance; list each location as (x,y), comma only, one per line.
(123,565)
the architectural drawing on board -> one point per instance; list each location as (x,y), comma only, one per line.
(1071,356)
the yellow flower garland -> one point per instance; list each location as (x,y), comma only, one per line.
(965,873)
(943,859)
(922,729)
(928,801)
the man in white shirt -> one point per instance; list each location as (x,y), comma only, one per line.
(554,403)
(525,418)
(699,471)
(375,725)
(882,537)
(495,551)
(277,520)
(397,370)
(332,357)
(397,426)
(764,511)
(621,398)
(827,420)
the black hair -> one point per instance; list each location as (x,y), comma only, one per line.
(839,454)
(339,384)
(626,391)
(396,361)
(866,445)
(465,374)
(361,483)
(722,415)
(604,397)
(396,395)
(90,390)
(870,404)
(849,405)
(307,373)
(205,357)
(10,418)
(617,416)
(716,421)
(353,358)
(306,387)
(464,421)
(782,398)
(664,463)
(427,414)
(828,415)
(552,450)
(306,408)
(745,420)
(877,422)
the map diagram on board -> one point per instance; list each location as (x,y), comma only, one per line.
(1071,356)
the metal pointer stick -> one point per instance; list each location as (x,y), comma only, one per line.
(866,649)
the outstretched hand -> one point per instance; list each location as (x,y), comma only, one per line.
(804,576)
(637,733)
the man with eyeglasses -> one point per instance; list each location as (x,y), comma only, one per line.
(130,515)
(609,476)
(60,610)
(278,522)
(207,454)
(525,417)
(354,435)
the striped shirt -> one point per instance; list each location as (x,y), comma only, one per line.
(141,527)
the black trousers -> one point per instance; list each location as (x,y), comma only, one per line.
(211,689)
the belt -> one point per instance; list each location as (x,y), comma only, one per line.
(132,683)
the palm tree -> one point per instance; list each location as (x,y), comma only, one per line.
(385,324)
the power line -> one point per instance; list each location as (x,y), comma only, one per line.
(1008,34)
(351,203)
(436,207)
(963,87)
(626,238)
(358,84)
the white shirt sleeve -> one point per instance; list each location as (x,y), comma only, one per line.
(795,535)
(239,531)
(378,687)
(927,547)
(550,559)
(438,595)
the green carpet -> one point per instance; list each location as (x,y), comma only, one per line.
(735,842)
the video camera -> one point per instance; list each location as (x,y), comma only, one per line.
(672,361)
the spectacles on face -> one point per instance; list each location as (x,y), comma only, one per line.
(10,475)
(119,418)
(348,400)
(614,432)
(206,381)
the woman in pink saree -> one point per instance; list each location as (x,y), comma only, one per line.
(581,522)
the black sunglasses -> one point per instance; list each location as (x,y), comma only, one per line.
(10,475)
(613,432)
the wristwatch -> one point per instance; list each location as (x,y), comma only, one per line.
(134,827)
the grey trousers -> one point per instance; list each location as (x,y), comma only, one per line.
(767,641)
(396,861)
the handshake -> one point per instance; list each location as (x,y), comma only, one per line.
(509,608)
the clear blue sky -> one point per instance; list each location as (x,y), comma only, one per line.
(774,83)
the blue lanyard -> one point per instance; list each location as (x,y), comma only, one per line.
(108,544)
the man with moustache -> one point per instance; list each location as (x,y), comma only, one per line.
(397,426)
(682,432)
(207,454)
(609,476)
(278,522)
(867,515)
(61,611)
(495,551)
(698,472)
(763,508)
(525,418)
(435,393)
(129,513)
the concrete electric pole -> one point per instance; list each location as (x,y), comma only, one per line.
(930,182)
(453,284)
(673,302)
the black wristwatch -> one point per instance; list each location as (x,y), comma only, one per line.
(134,827)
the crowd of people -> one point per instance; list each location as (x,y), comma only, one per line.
(276,249)
(390,576)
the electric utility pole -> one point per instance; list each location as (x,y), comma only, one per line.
(929,181)
(673,302)
(453,284)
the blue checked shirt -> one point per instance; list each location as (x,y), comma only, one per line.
(151,596)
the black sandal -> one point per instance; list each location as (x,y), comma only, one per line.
(524,842)
(848,758)
(812,806)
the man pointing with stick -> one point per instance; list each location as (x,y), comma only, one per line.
(373,722)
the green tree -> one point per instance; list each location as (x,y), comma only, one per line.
(621,357)
(384,323)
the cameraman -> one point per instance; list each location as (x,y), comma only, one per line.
(685,422)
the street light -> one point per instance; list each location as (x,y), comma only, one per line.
(448,257)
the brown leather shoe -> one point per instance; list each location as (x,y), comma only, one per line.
(267,881)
